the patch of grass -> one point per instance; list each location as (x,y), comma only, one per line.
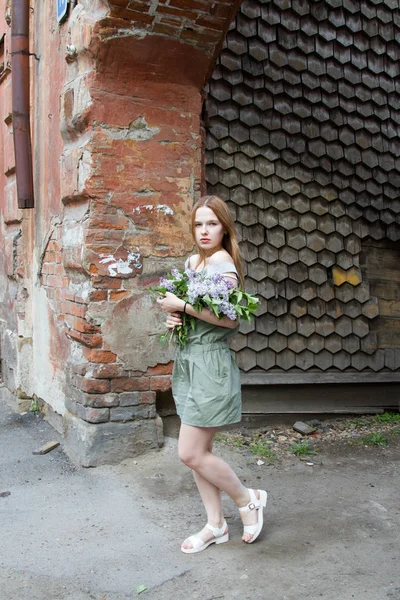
(302,447)
(388,418)
(34,407)
(229,440)
(262,450)
(375,439)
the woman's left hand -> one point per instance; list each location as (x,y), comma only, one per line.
(171,303)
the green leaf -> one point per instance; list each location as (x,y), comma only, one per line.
(141,588)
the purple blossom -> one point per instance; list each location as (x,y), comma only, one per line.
(176,274)
(228,309)
(167,284)
(215,286)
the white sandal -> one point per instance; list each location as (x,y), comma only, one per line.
(255,504)
(198,545)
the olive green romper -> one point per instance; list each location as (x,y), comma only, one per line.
(206,379)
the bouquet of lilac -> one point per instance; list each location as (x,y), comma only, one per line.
(205,291)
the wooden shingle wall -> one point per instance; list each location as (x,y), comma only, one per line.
(303,121)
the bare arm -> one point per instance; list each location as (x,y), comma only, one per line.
(173,304)
(209,317)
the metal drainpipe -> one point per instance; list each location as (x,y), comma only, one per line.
(20,102)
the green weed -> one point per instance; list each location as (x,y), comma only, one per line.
(229,440)
(375,439)
(302,447)
(388,418)
(34,407)
(261,450)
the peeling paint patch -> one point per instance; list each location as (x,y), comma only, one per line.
(120,266)
(132,32)
(139,131)
(163,208)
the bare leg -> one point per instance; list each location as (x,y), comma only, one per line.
(194,451)
(211,495)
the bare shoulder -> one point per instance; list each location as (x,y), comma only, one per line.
(193,260)
(219,257)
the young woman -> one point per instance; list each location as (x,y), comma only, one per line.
(206,382)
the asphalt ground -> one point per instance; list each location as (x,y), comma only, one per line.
(332,529)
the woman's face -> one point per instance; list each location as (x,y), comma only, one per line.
(208,231)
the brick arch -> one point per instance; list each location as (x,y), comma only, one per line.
(188,35)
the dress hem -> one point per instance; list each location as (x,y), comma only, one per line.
(209,426)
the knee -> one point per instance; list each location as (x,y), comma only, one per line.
(189,457)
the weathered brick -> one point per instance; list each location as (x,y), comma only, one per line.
(119,295)
(129,399)
(183,14)
(191,4)
(58,269)
(93,400)
(68,295)
(130,384)
(162,383)
(93,415)
(79,299)
(129,413)
(86,339)
(79,368)
(50,257)
(53,246)
(148,397)
(105,371)
(98,296)
(53,281)
(82,325)
(161,369)
(167,28)
(102,400)
(216,24)
(139,17)
(92,386)
(99,356)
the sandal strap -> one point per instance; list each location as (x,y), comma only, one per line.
(250,528)
(252,505)
(217,531)
(196,541)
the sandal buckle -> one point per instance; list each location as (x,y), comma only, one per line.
(251,505)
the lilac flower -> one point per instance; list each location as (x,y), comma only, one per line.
(176,274)
(214,292)
(168,284)
(229,310)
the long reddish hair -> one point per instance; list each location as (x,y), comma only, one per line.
(229,241)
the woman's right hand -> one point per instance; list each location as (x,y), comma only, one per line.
(173,320)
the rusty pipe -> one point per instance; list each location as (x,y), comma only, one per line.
(20,102)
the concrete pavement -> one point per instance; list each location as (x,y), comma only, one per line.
(69,533)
